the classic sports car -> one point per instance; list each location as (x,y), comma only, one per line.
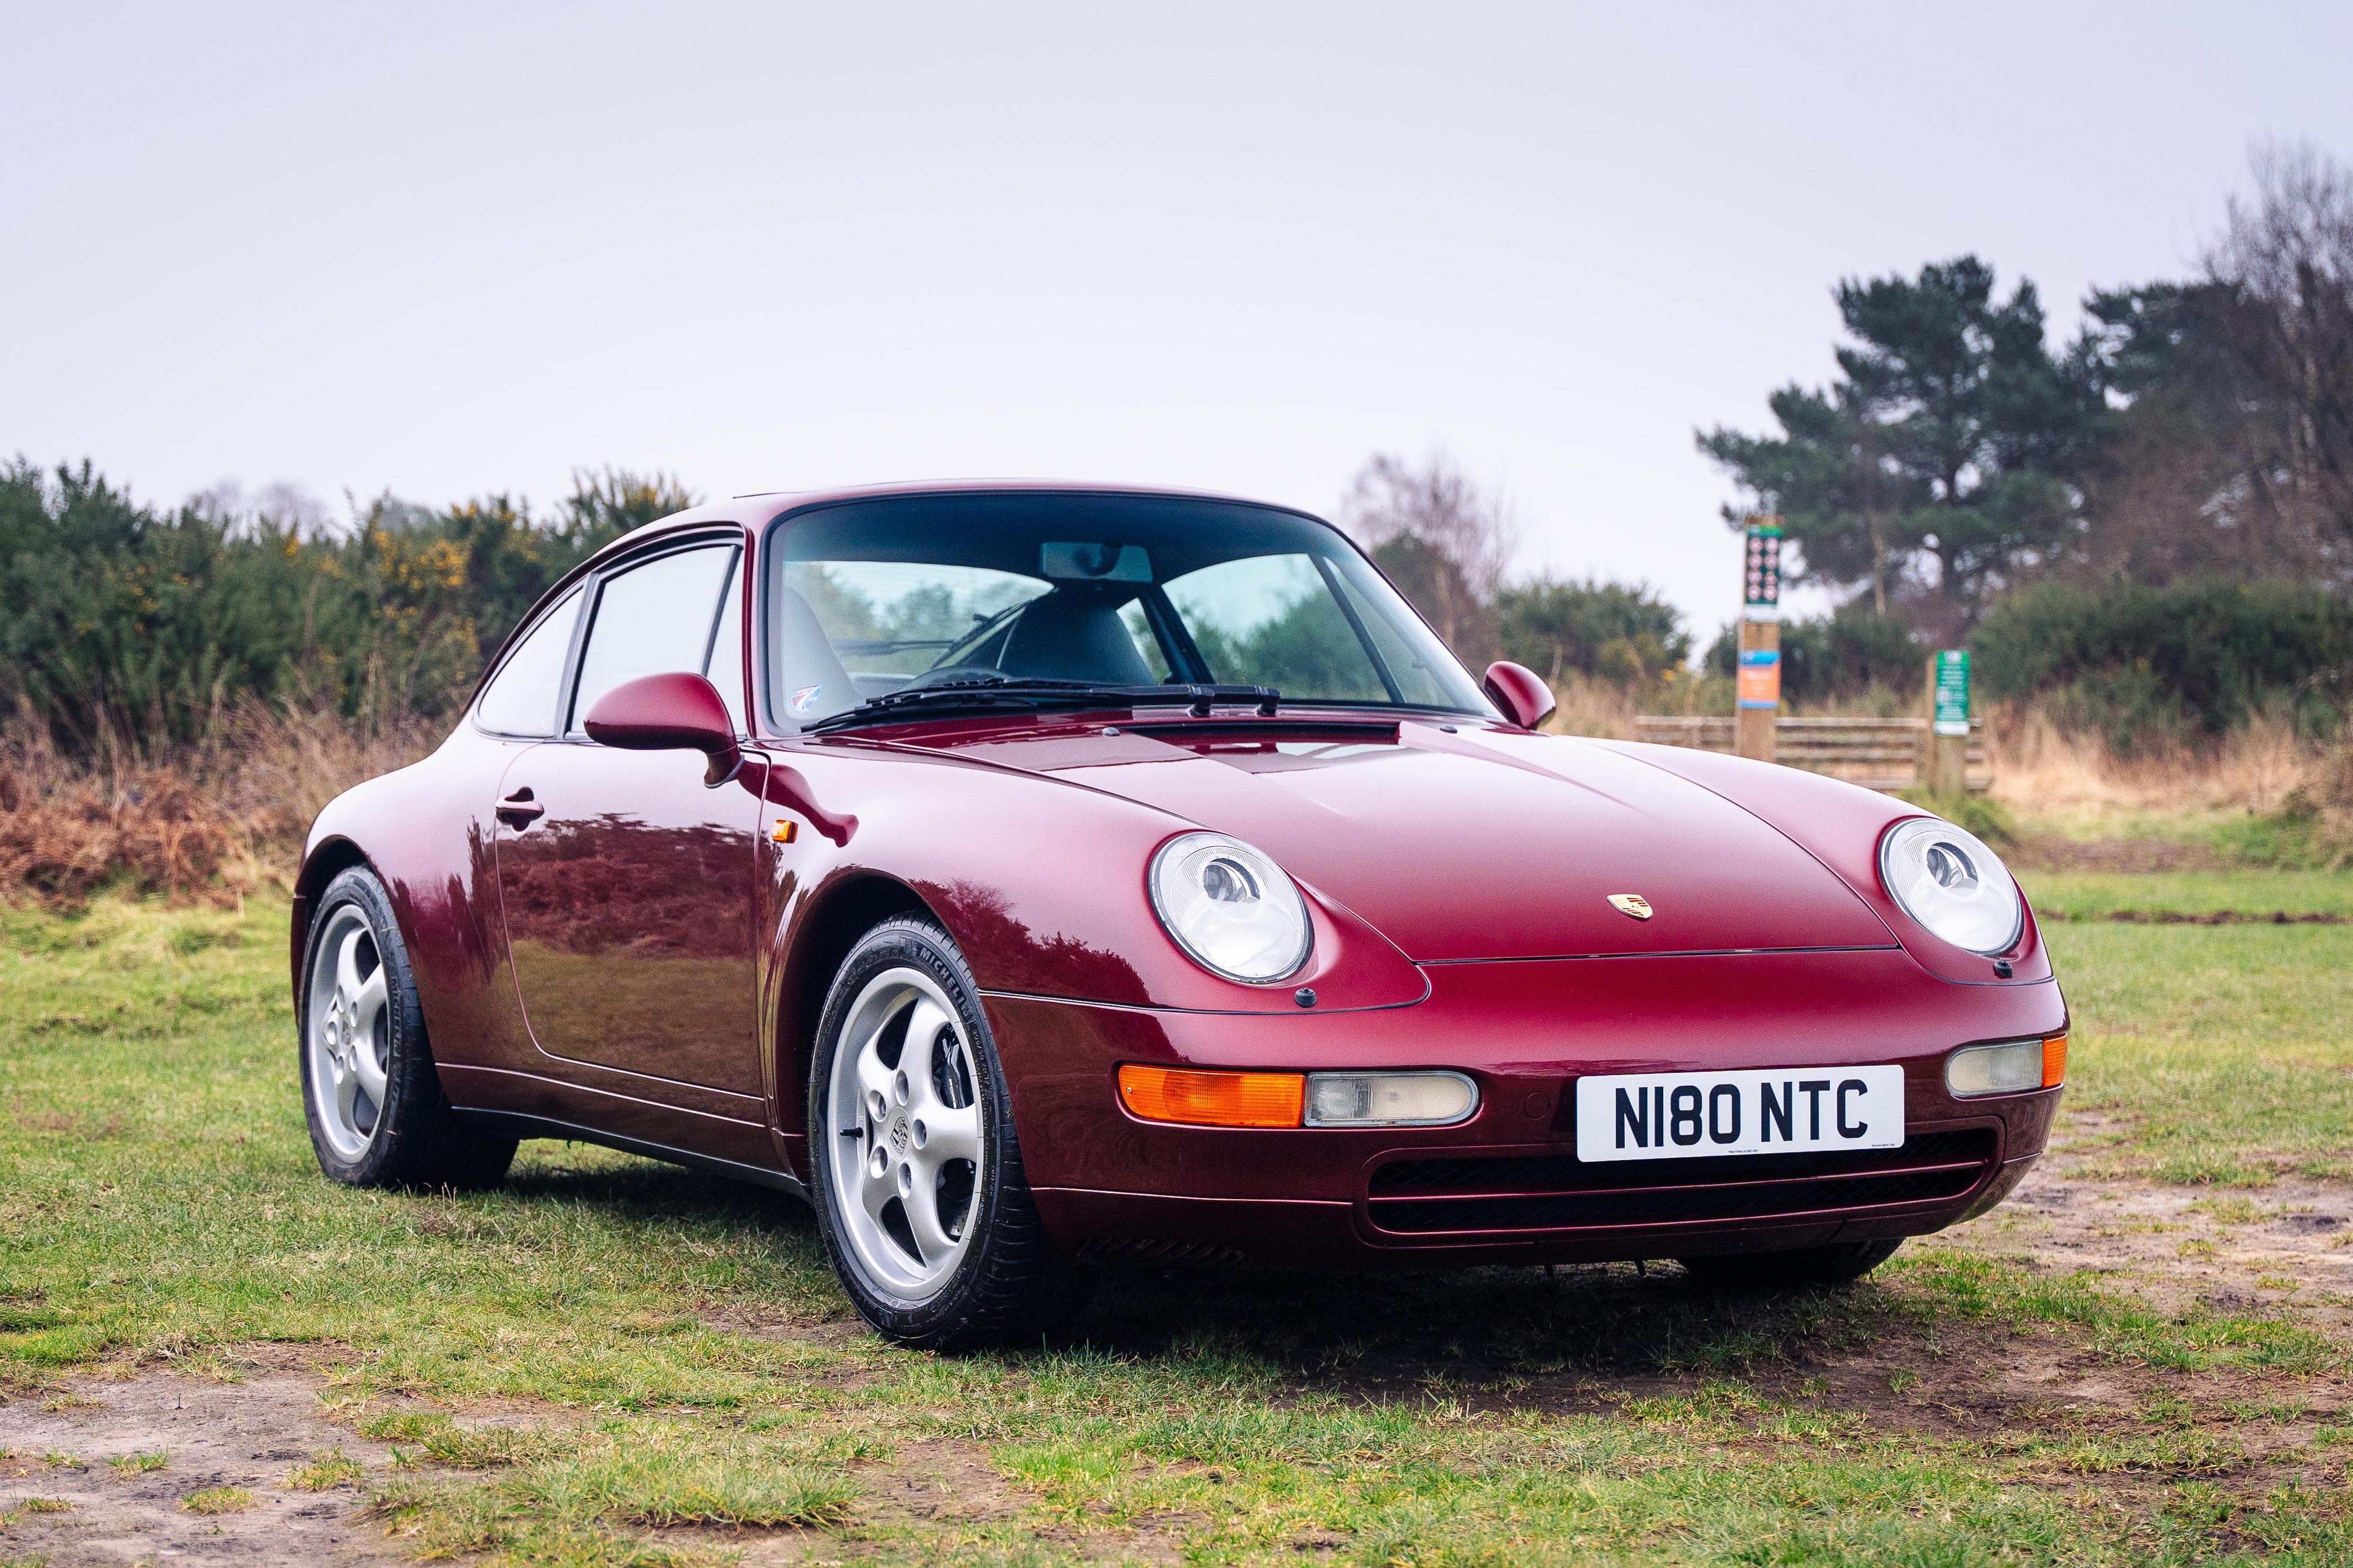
(1033,877)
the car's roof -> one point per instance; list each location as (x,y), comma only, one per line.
(755,508)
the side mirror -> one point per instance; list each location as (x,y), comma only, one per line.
(670,712)
(1520,692)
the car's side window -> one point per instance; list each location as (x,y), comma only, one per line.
(521,698)
(725,669)
(650,620)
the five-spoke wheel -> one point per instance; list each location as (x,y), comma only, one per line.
(350,1034)
(378,1117)
(920,1191)
(906,1131)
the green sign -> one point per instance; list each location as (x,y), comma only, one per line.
(1952,691)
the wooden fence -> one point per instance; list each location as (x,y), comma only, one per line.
(1878,753)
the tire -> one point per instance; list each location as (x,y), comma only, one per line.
(377,1115)
(917,1171)
(1806,1269)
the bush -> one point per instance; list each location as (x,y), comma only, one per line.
(1604,631)
(2162,667)
(126,628)
(1839,657)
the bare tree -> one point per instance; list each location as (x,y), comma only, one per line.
(2286,261)
(1446,542)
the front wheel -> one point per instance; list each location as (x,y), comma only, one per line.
(1804,1268)
(920,1191)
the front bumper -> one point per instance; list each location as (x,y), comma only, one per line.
(1506,1185)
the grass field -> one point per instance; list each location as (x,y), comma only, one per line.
(612,1362)
(2190,896)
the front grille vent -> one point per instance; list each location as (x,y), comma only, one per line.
(1551,1192)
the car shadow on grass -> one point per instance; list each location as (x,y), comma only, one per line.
(1375,1333)
(1483,1326)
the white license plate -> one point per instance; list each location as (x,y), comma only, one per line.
(1780,1111)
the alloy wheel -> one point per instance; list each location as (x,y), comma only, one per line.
(906,1139)
(349,1032)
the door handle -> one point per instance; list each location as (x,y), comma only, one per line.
(518,810)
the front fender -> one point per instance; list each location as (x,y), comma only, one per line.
(1041,882)
(1839,825)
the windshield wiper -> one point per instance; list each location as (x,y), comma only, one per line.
(1017,691)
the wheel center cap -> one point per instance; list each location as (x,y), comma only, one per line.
(898,1134)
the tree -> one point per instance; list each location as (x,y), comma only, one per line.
(1609,631)
(1844,502)
(2285,260)
(1945,453)
(1442,541)
(2175,489)
(604,504)
(127,628)
(2229,441)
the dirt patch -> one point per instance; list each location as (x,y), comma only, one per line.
(251,1436)
(2287,1248)
(938,1480)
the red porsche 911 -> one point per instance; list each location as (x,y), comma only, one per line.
(1038,876)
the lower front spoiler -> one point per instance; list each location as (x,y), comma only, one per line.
(1156,1229)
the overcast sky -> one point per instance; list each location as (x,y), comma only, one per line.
(445,250)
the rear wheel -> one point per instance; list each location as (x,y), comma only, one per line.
(377,1116)
(921,1196)
(1809,1267)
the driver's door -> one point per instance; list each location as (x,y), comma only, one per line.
(627,884)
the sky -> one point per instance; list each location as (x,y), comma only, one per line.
(450,250)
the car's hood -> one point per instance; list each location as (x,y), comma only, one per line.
(1480,843)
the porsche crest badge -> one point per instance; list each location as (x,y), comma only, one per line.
(1633,904)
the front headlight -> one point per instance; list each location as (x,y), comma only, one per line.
(1230,908)
(1950,882)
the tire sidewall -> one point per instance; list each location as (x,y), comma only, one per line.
(404,1041)
(944,1315)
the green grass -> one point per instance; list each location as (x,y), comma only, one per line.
(608,1361)
(327,1471)
(2219,1055)
(2259,895)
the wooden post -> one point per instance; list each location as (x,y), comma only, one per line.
(1757,680)
(1760,689)
(1945,750)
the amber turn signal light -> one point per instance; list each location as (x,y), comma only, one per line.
(1210,1099)
(2054,1061)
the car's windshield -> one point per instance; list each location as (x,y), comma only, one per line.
(872,598)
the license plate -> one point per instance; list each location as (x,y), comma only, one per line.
(1781,1110)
